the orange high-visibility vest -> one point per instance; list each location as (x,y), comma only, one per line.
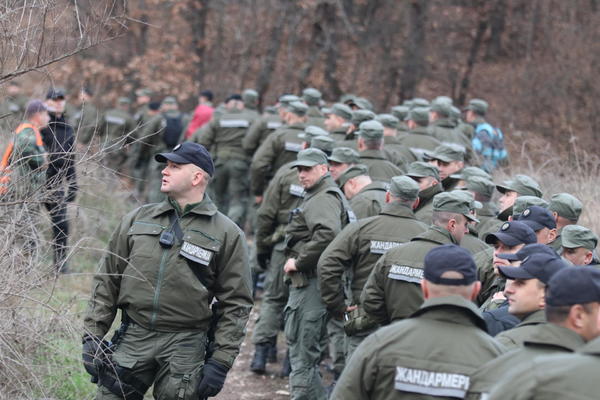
(5,162)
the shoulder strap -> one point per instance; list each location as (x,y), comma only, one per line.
(174,220)
(345,204)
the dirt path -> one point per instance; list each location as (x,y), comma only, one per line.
(242,384)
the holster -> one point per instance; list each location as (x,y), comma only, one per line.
(358,321)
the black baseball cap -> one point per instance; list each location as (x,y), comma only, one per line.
(235,96)
(55,93)
(511,234)
(207,93)
(537,218)
(537,266)
(449,257)
(574,285)
(189,153)
(527,250)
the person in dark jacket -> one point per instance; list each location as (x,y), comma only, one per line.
(61,179)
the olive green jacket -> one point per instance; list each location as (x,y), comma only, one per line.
(561,376)
(369,201)
(339,134)
(430,355)
(400,155)
(86,121)
(543,340)
(357,248)
(315,117)
(150,136)
(282,195)
(314,224)
(484,214)
(380,168)
(156,286)
(472,243)
(223,135)
(516,336)
(445,130)
(424,211)
(118,124)
(280,147)
(419,141)
(260,129)
(393,290)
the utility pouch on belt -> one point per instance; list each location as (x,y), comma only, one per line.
(358,321)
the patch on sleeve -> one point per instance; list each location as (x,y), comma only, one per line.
(297,190)
(295,147)
(381,247)
(196,253)
(273,125)
(406,273)
(433,383)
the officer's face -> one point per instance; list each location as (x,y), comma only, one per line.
(501,248)
(524,296)
(545,235)
(578,255)
(177,178)
(308,176)
(447,168)
(426,182)
(507,199)
(56,105)
(333,122)
(336,168)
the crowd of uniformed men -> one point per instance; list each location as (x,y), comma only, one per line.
(384,249)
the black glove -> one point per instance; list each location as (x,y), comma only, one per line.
(213,378)
(262,259)
(94,350)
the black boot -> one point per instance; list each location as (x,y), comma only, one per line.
(272,352)
(286,368)
(259,362)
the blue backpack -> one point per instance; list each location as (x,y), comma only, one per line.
(489,143)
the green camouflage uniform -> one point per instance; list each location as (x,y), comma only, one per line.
(169,306)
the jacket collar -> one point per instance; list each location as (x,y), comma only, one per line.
(437,235)
(453,309)
(535,318)
(427,194)
(396,209)
(377,154)
(556,336)
(205,207)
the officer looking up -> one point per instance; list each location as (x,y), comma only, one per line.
(166,264)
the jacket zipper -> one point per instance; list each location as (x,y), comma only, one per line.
(155,302)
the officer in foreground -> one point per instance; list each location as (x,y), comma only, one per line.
(316,221)
(572,321)
(411,359)
(166,264)
(564,376)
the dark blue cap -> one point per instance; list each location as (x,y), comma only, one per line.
(189,153)
(537,266)
(528,250)
(511,234)
(574,285)
(537,218)
(449,257)
(234,96)
(207,93)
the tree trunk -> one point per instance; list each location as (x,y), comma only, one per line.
(414,52)
(472,59)
(497,25)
